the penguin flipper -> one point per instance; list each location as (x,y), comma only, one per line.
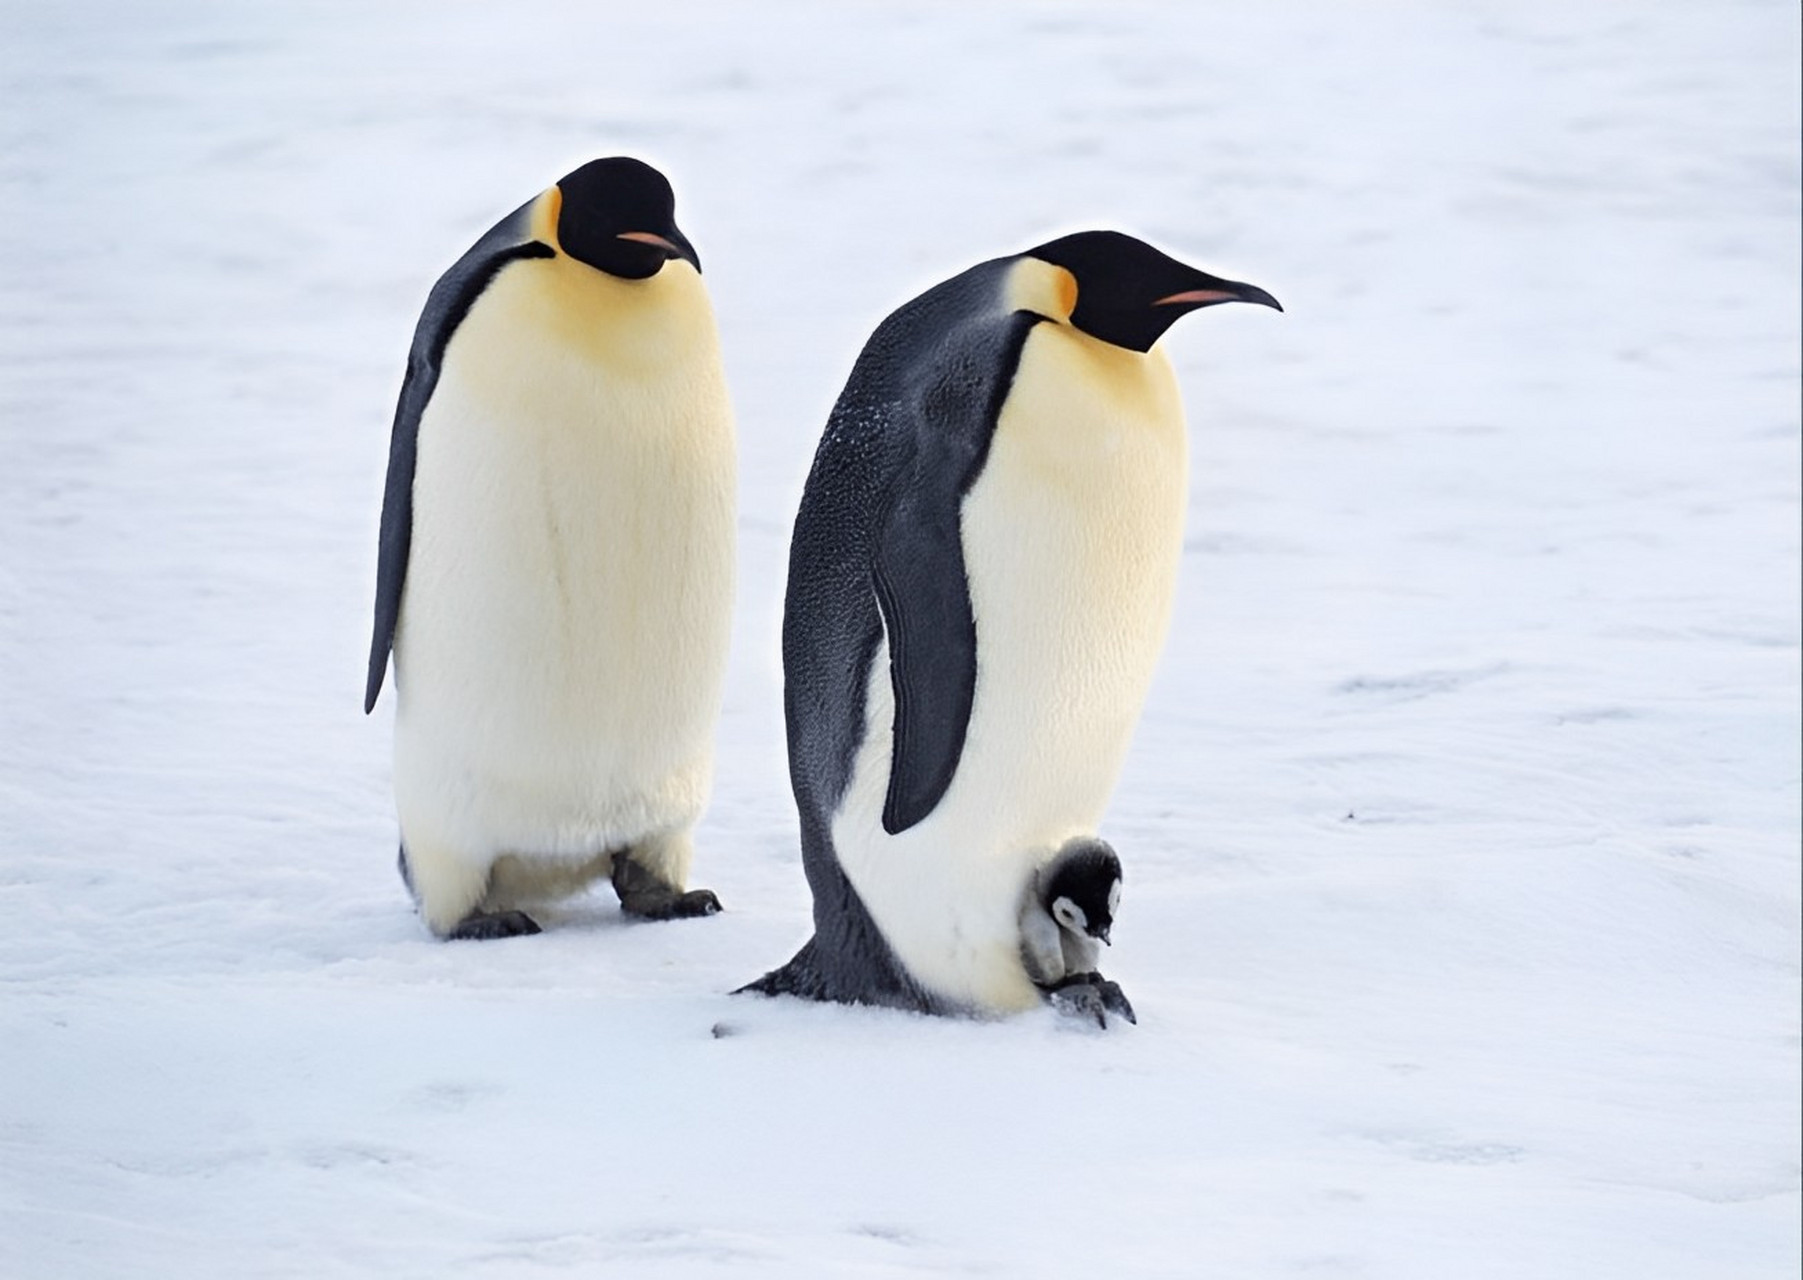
(922,588)
(450,300)
(924,598)
(1042,949)
(1079,952)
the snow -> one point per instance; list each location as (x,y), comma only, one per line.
(1461,832)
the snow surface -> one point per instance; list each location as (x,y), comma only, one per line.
(1462,829)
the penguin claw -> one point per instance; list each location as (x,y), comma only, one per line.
(1090,995)
(696,902)
(481,926)
(1115,1000)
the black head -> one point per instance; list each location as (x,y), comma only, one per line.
(1083,889)
(618,216)
(1128,293)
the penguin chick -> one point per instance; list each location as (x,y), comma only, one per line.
(1069,907)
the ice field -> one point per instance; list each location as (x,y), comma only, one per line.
(1462,827)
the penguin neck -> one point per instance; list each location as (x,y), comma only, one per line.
(631,327)
(542,221)
(1043,289)
(1138,381)
(1047,290)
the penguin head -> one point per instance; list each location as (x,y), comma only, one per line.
(1128,293)
(618,216)
(1083,887)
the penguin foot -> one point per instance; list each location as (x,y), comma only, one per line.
(1115,1000)
(1090,996)
(688,906)
(644,895)
(672,906)
(482,925)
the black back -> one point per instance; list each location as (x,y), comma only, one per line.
(877,550)
(446,306)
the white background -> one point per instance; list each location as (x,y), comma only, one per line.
(1462,827)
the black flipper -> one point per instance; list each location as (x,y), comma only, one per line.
(924,597)
(446,306)
(948,418)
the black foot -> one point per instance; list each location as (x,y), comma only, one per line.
(480,926)
(1115,1001)
(644,895)
(696,902)
(672,906)
(1090,996)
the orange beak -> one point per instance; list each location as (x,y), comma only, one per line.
(652,238)
(1199,296)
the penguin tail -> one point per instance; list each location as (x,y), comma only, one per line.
(810,976)
(801,977)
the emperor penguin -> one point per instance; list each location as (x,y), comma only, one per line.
(555,574)
(980,582)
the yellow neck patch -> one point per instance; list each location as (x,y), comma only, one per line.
(545,212)
(1043,289)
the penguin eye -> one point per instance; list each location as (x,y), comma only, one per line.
(1070,915)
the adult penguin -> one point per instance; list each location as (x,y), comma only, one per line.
(555,576)
(980,582)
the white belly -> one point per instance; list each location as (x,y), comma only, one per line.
(564,625)
(1072,536)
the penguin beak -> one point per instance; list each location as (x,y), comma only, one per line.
(1102,933)
(674,245)
(1212,290)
